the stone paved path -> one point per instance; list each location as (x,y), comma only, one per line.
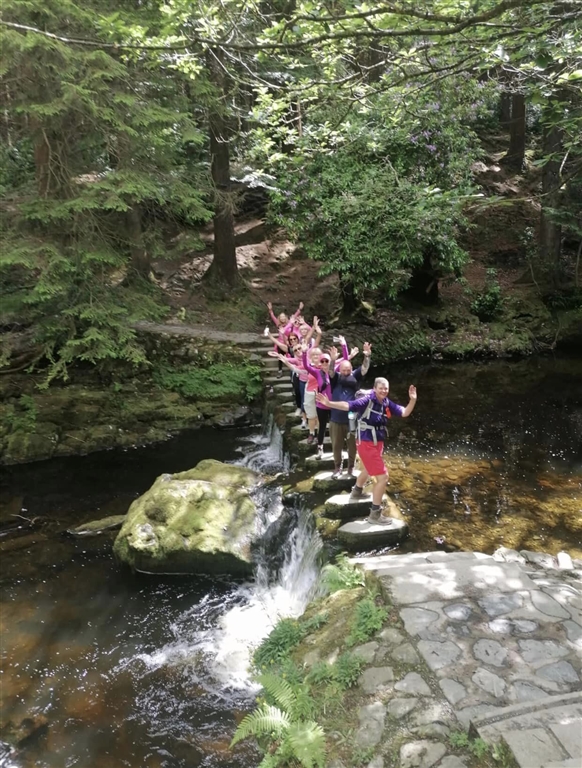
(489,643)
(501,640)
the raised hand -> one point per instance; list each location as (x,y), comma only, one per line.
(301,305)
(412,392)
(354,351)
(269,305)
(333,353)
(367,349)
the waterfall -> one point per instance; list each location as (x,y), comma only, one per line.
(264,452)
(216,637)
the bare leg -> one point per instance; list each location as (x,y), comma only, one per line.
(363,478)
(379,488)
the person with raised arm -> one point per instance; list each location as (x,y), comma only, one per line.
(374,410)
(345,382)
(284,325)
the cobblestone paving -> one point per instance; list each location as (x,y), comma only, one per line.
(501,641)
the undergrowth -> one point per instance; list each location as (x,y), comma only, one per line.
(218,381)
(300,700)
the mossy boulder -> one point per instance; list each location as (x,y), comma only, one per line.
(198,521)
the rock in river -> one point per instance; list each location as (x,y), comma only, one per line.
(198,521)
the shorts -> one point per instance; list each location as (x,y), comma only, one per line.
(371,457)
(309,405)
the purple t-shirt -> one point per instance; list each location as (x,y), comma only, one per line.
(378,417)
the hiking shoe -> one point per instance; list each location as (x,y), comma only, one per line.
(384,520)
(374,515)
(279,374)
(350,471)
(319,454)
(298,411)
(358,493)
(310,438)
(303,424)
(337,473)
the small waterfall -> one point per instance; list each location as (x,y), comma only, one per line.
(265,451)
(214,640)
(240,630)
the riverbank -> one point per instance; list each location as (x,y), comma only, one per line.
(459,660)
(444,659)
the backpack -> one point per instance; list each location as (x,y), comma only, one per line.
(363,423)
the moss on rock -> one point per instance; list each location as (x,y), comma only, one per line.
(198,521)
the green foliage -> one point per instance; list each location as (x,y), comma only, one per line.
(219,381)
(22,417)
(341,575)
(344,672)
(487,304)
(461,740)
(284,723)
(286,635)
(347,669)
(92,157)
(362,756)
(368,620)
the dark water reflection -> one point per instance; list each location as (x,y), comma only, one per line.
(80,636)
(492,456)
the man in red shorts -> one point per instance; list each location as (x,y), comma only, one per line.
(374,410)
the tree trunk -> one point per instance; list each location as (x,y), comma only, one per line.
(140,260)
(224,269)
(505,110)
(516,153)
(348,291)
(550,229)
(42,159)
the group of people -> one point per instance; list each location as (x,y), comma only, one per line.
(327,391)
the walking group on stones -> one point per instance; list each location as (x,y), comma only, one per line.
(327,392)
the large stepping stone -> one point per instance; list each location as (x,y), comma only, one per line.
(323,481)
(359,534)
(345,508)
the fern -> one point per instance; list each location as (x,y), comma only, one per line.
(308,742)
(341,575)
(280,691)
(263,721)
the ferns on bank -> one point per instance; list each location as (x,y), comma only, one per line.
(298,738)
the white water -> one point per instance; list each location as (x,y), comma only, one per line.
(214,640)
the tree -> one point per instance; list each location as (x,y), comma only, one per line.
(106,137)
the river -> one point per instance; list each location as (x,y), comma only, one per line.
(119,670)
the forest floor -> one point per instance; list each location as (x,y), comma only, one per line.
(500,238)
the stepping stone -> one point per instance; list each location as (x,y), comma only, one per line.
(290,406)
(323,481)
(304,447)
(360,534)
(326,462)
(343,507)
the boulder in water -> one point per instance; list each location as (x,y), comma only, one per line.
(198,521)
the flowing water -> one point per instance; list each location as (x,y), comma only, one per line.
(122,670)
(118,670)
